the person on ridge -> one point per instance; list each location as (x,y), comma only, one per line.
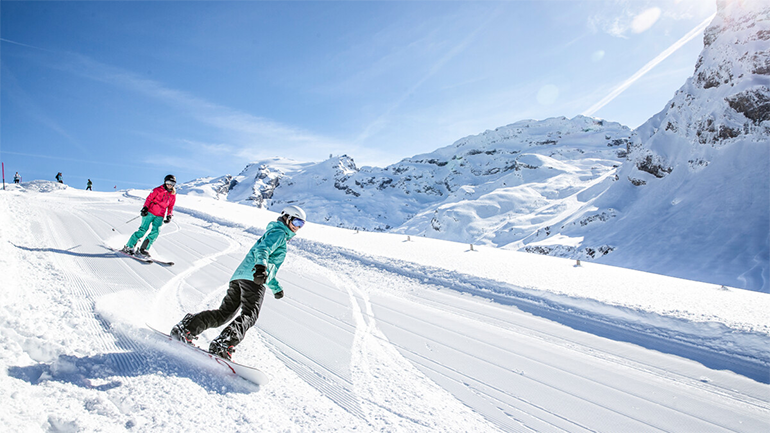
(88,185)
(59,177)
(16,177)
(159,203)
(247,288)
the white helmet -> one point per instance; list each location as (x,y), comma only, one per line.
(294,212)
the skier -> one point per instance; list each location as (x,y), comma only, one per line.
(160,202)
(59,177)
(88,186)
(247,288)
(16,177)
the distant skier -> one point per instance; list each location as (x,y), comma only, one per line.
(16,177)
(59,177)
(88,185)
(160,202)
(247,288)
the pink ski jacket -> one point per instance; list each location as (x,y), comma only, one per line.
(160,200)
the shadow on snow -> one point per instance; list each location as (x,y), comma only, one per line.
(104,371)
(69,251)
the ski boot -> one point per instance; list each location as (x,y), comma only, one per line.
(126,249)
(143,249)
(222,346)
(180,331)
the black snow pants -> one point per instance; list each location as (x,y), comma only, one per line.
(244,294)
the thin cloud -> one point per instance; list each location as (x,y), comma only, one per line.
(35,111)
(646,68)
(619,23)
(381,120)
(60,158)
(247,129)
(621,17)
(211,148)
(616,26)
(177,163)
(23,45)
(645,20)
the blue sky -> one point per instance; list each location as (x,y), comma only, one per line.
(124,93)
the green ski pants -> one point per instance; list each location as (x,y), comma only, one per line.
(156,222)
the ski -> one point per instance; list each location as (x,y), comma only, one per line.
(212,361)
(143,259)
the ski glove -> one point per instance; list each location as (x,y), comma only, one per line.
(260,274)
(144,211)
(278,295)
(167,220)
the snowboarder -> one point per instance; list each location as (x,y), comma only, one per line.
(16,177)
(88,185)
(247,288)
(59,177)
(160,202)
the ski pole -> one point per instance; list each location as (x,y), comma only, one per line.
(113,229)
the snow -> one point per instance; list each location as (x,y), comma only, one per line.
(377,332)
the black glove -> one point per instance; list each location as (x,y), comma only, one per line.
(260,274)
(278,295)
(144,211)
(167,220)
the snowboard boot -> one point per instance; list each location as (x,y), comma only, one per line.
(222,346)
(180,331)
(143,249)
(127,250)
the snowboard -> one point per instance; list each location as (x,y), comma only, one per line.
(142,259)
(218,364)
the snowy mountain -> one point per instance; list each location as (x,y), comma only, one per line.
(690,184)
(507,178)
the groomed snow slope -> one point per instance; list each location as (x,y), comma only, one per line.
(377,332)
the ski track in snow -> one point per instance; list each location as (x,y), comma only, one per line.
(359,343)
(492,393)
(331,258)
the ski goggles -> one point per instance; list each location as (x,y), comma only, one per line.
(297,222)
(170,183)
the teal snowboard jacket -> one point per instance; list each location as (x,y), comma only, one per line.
(269,251)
